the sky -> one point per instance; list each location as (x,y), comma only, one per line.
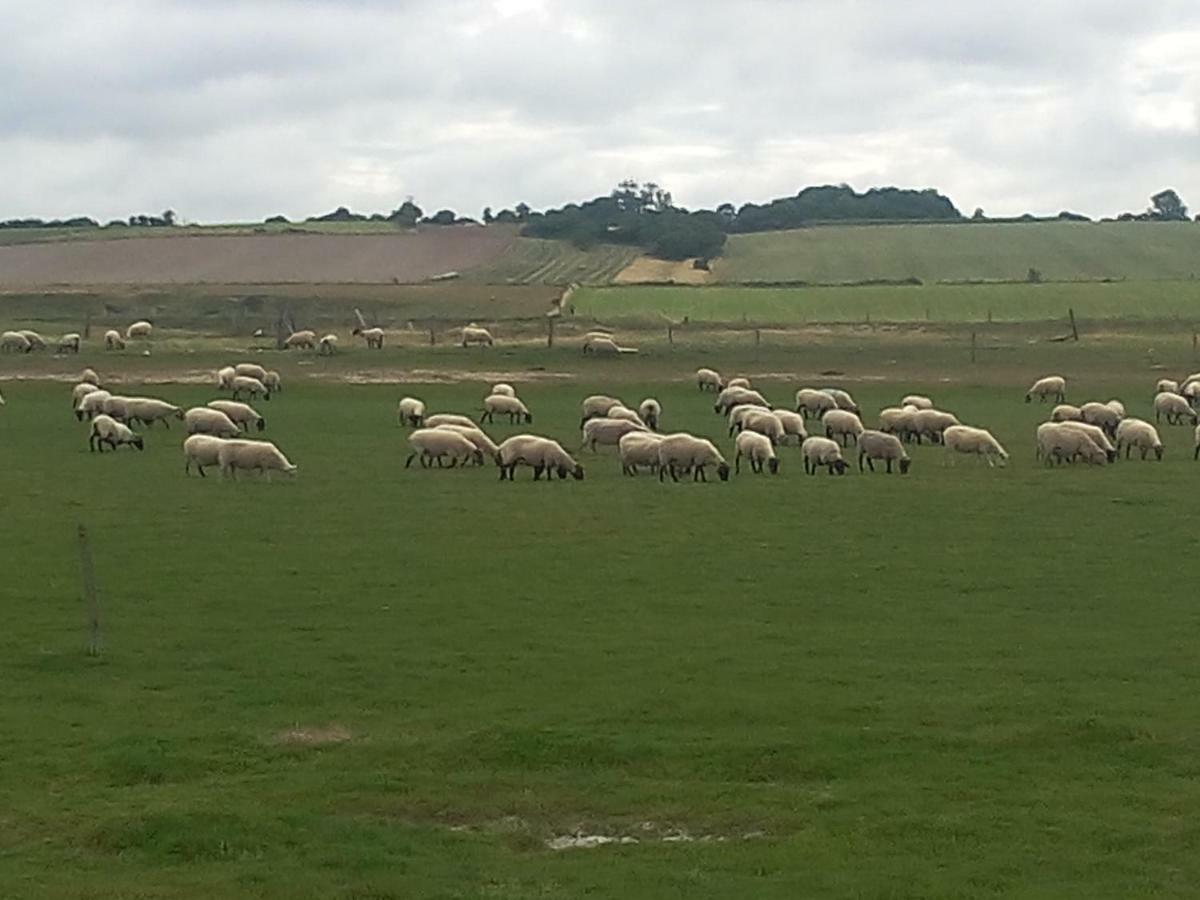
(234,110)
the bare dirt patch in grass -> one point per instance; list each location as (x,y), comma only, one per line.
(314,735)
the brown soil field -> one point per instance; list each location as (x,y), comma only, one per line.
(645,270)
(254,259)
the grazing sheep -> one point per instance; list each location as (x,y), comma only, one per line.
(36,341)
(302,340)
(978,441)
(1064,412)
(766,423)
(1191,391)
(506,390)
(411,410)
(709,380)
(472,334)
(900,421)
(437,420)
(684,452)
(639,448)
(262,456)
(89,376)
(1098,436)
(440,443)
(623,412)
(1060,443)
(113,340)
(1196,440)
(203,420)
(1166,384)
(843,424)
(107,430)
(115,406)
(510,406)
(250,370)
(148,410)
(203,450)
(920,401)
(373,337)
(842,399)
(739,412)
(1174,408)
(241,414)
(819,451)
(80,391)
(793,425)
(813,404)
(1101,415)
(476,436)
(1051,386)
(1141,434)
(244,384)
(225,376)
(1116,406)
(273,383)
(931,423)
(739,382)
(139,329)
(69,343)
(650,411)
(541,454)
(758,449)
(607,432)
(14,342)
(603,346)
(597,406)
(736,396)
(873,445)
(1195,376)
(91,404)
(327,346)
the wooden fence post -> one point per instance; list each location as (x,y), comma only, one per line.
(432,338)
(87,325)
(972,346)
(671,335)
(90,600)
(550,331)
(1074,330)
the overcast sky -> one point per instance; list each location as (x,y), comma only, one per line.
(241,109)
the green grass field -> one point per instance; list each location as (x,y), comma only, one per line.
(378,682)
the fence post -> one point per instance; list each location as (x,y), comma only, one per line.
(432,339)
(550,331)
(972,346)
(989,316)
(91,602)
(671,335)
(1074,330)
(87,325)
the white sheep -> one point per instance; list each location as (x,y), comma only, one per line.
(540,454)
(624,412)
(115,406)
(1117,407)
(69,343)
(203,420)
(597,406)
(107,430)
(607,432)
(758,449)
(1101,415)
(412,411)
(766,423)
(202,450)
(327,346)
(36,341)
(899,420)
(241,414)
(91,404)
(509,406)
(931,423)
(709,380)
(89,376)
(813,404)
(977,441)
(650,411)
(1174,408)
(739,382)
(1098,436)
(793,424)
(250,370)
(273,383)
(920,401)
(639,448)
(439,419)
(244,384)
(148,410)
(842,399)
(819,451)
(603,346)
(1166,384)
(14,342)
(1064,412)
(225,376)
(843,424)
(736,396)
(1191,391)
(80,391)
(1059,443)
(739,412)
(139,329)
(684,452)
(303,340)
(1196,440)
(1050,386)
(476,436)
(1141,434)
(373,337)
(879,445)
(504,389)
(262,456)
(474,335)
(441,443)
(113,340)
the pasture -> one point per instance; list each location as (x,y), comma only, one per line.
(378,682)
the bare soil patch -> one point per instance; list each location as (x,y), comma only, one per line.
(314,736)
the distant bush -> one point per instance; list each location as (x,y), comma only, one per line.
(77,222)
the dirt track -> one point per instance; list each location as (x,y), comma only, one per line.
(254,259)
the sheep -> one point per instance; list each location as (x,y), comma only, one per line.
(709,380)
(14,342)
(1191,391)
(764,422)
(273,383)
(931,423)
(80,391)
(373,337)
(1098,436)
(437,420)
(793,425)
(1195,376)
(541,454)
(606,341)
(979,441)
(1064,412)
(1196,439)
(476,436)
(139,329)
(843,424)
(439,443)
(510,406)
(813,404)
(90,404)
(114,406)
(411,410)
(1051,385)
(650,411)
(253,455)
(597,406)
(638,448)
(303,340)
(842,399)
(683,452)
(1058,442)
(148,410)
(250,370)
(607,432)
(36,341)
(758,449)
(203,420)
(920,401)
(622,412)
(107,430)
(1166,384)
(241,414)
(1141,434)
(504,389)
(113,340)
(736,396)
(819,451)
(225,376)
(873,445)
(607,347)
(473,334)
(899,421)
(69,343)
(203,450)
(327,346)
(89,376)
(244,384)
(1174,407)
(739,382)
(1117,407)
(739,412)
(1102,415)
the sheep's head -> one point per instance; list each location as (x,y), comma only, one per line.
(773,465)
(577,472)
(261,423)
(723,471)
(839,466)
(905,464)
(1158,453)
(528,418)
(178,414)
(138,442)
(1029,397)
(477,455)
(1112,455)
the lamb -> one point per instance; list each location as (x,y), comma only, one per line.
(473,334)
(244,384)
(931,423)
(920,401)
(437,420)
(439,443)
(541,454)
(327,346)
(709,380)
(842,399)
(1101,415)
(253,455)
(1058,442)
(813,404)
(766,423)
(113,340)
(90,404)
(250,370)
(36,341)
(203,450)
(1098,436)
(241,414)
(107,430)
(622,412)
(273,383)
(1141,434)
(899,421)
(650,411)
(504,389)
(979,441)
(683,452)
(873,445)
(148,410)
(411,410)
(819,451)
(758,449)
(80,391)
(607,432)
(69,343)
(373,337)
(739,382)
(793,425)
(139,329)
(1064,412)
(14,342)
(510,406)
(843,424)
(638,448)
(1051,385)
(1174,407)
(736,396)
(303,340)
(89,376)
(203,420)
(476,436)
(225,376)
(597,406)
(1166,384)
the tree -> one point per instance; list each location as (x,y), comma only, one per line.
(487,215)
(441,217)
(522,210)
(168,216)
(407,214)
(1166,206)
